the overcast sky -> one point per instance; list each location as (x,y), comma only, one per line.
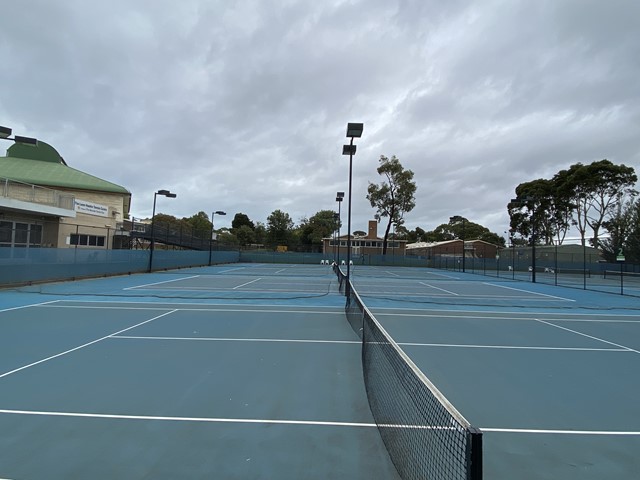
(242,105)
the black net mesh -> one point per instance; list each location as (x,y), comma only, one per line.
(426,437)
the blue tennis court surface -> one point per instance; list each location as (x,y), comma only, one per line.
(548,374)
(251,371)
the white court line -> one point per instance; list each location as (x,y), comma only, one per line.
(560,432)
(370,293)
(588,336)
(499,312)
(443,275)
(82,346)
(219,339)
(391,273)
(159,283)
(512,318)
(298,422)
(233,269)
(206,307)
(438,288)
(527,291)
(27,306)
(247,283)
(358,342)
(281,270)
(514,347)
(187,419)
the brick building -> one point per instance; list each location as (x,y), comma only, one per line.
(370,244)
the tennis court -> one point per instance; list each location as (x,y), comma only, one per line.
(93,386)
(548,374)
(252,371)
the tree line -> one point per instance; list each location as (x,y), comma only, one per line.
(597,199)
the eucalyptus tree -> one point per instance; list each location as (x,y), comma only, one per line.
(393,197)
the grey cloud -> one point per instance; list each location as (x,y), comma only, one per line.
(242,106)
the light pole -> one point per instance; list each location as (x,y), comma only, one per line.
(513,255)
(521,202)
(218,212)
(455,219)
(164,193)
(339,198)
(354,130)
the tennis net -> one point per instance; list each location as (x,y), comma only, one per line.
(426,437)
(617,275)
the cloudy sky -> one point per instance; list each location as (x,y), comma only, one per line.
(242,105)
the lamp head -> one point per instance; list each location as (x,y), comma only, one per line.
(354,130)
(25,140)
(348,149)
(5,132)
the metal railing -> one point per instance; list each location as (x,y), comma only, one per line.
(26,192)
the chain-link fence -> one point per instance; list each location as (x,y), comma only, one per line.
(580,268)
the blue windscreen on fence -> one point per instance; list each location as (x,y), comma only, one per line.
(27,265)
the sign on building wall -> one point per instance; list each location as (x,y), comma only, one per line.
(90,208)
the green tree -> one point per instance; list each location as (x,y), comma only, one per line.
(167,222)
(596,190)
(411,236)
(261,233)
(279,228)
(632,242)
(460,227)
(619,226)
(552,208)
(197,225)
(395,196)
(245,235)
(227,238)
(241,219)
(321,225)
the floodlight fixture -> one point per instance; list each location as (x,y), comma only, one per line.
(25,140)
(354,130)
(348,149)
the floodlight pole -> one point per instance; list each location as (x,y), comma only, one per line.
(219,212)
(339,198)
(351,150)
(464,253)
(164,193)
(533,243)
(354,130)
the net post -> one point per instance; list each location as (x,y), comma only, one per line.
(475,453)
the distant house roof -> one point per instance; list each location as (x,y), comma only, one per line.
(429,244)
(42,165)
(445,242)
